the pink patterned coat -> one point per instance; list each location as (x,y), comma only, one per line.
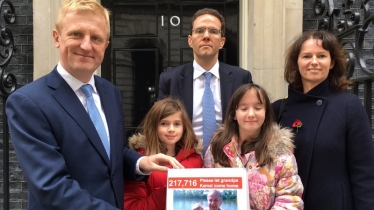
(273,186)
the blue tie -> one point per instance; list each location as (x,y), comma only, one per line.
(209,114)
(94,114)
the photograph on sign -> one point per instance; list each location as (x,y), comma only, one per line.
(207,188)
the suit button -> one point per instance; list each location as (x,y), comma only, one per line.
(319,102)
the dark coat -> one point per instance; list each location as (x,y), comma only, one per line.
(178,83)
(60,152)
(334,148)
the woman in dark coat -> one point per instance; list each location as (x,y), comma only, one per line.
(333,139)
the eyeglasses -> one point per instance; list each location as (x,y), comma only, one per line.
(212,31)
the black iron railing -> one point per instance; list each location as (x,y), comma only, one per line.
(8,85)
(352,22)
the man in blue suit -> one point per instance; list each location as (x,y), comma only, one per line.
(58,147)
(187,82)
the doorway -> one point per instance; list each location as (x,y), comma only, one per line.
(149,37)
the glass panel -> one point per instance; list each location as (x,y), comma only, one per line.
(135,20)
(135,75)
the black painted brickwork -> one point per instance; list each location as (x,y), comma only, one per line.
(20,65)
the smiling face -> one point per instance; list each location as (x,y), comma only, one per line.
(82,41)
(250,115)
(314,63)
(170,131)
(206,46)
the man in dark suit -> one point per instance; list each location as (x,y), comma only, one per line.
(187,81)
(59,148)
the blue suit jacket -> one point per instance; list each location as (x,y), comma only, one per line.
(59,150)
(178,83)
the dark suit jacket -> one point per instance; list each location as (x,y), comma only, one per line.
(178,83)
(59,150)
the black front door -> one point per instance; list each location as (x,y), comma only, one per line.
(150,36)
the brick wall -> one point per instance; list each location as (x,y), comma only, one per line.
(21,65)
(309,20)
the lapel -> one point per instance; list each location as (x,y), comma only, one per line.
(186,87)
(226,82)
(320,92)
(66,97)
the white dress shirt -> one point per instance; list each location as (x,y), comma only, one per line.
(198,91)
(76,84)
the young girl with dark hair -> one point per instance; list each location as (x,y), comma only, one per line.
(165,129)
(251,139)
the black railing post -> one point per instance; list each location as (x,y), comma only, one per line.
(5,158)
(8,85)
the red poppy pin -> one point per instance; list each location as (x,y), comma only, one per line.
(297,124)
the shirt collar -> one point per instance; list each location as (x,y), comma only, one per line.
(73,82)
(198,70)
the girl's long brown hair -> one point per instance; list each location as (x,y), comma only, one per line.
(231,128)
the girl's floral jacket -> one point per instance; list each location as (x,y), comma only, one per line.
(273,186)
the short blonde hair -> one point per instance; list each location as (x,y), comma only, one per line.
(79,6)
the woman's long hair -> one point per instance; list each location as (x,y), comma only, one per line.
(336,76)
